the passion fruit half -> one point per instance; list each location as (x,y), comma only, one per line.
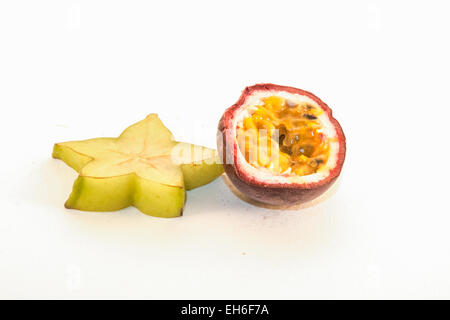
(280,145)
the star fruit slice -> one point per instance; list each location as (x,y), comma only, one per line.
(143,167)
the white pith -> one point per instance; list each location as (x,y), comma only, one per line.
(266,176)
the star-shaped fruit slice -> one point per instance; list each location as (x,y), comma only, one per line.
(144,167)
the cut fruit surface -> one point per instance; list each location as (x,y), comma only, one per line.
(284,137)
(142,167)
(198,164)
(280,145)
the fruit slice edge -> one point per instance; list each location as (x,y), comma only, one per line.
(198,168)
(200,165)
(115,193)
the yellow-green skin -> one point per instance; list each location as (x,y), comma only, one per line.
(118,192)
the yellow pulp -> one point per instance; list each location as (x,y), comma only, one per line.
(281,135)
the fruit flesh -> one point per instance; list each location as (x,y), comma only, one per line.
(261,184)
(199,165)
(138,168)
(284,137)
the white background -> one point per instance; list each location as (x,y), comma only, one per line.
(72,70)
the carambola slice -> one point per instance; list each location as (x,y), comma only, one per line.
(143,167)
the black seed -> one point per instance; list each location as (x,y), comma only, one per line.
(309,116)
(286,150)
(306,150)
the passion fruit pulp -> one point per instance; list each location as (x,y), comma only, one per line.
(280,145)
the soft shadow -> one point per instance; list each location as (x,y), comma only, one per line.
(326,195)
(230,216)
(223,224)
